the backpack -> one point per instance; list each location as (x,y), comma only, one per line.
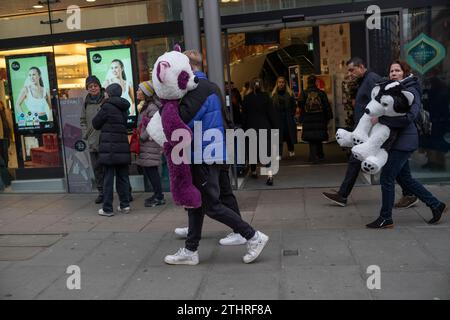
(313,102)
(423,122)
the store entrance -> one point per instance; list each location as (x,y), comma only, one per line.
(295,53)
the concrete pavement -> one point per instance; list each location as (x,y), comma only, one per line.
(316,250)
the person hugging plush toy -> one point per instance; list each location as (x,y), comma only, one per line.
(370,142)
(172,78)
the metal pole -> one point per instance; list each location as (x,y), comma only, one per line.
(227,59)
(191,25)
(213,36)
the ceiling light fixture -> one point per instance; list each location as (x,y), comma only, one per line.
(38,6)
(90,0)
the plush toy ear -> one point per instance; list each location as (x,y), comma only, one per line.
(177,47)
(161,70)
(408,96)
(375,91)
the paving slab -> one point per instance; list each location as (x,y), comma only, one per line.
(29,240)
(164,283)
(18,253)
(65,253)
(326,249)
(26,282)
(427,285)
(238,286)
(393,255)
(324,283)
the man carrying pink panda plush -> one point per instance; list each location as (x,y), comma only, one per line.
(204,104)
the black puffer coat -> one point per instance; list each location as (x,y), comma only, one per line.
(315,119)
(114,148)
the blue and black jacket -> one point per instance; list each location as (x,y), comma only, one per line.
(205,104)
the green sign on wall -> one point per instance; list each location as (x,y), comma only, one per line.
(423,53)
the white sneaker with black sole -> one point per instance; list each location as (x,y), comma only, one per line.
(105,214)
(183,256)
(124,210)
(182,232)
(233,239)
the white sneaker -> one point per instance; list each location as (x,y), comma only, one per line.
(183,256)
(182,232)
(233,239)
(105,214)
(124,210)
(255,246)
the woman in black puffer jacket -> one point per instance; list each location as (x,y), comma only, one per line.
(114,149)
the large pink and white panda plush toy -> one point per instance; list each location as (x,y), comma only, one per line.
(172,78)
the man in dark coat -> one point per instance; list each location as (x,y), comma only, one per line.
(367,81)
(316,113)
(114,149)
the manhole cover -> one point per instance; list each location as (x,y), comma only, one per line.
(290,252)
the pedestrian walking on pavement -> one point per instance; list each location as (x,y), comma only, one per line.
(92,105)
(366,81)
(114,149)
(205,104)
(284,103)
(315,115)
(258,113)
(149,157)
(397,165)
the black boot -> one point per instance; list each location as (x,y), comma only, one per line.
(99,199)
(437,213)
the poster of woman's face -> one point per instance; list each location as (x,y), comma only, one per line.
(30,90)
(114,65)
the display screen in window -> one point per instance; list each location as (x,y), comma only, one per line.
(30,89)
(114,65)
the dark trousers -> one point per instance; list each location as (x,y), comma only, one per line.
(226,191)
(286,138)
(122,186)
(353,168)
(315,151)
(397,167)
(207,179)
(99,171)
(152,174)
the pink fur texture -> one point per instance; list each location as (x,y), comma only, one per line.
(183,191)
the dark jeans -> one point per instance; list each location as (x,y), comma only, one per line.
(152,174)
(122,186)
(99,171)
(397,167)
(315,150)
(226,191)
(207,179)
(353,168)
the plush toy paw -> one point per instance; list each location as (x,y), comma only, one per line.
(361,152)
(370,165)
(155,129)
(359,138)
(344,138)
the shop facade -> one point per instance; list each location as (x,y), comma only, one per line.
(43,152)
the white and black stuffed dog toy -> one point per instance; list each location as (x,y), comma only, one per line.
(370,142)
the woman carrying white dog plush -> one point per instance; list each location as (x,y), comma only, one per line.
(397,165)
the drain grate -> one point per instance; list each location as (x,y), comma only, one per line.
(290,252)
